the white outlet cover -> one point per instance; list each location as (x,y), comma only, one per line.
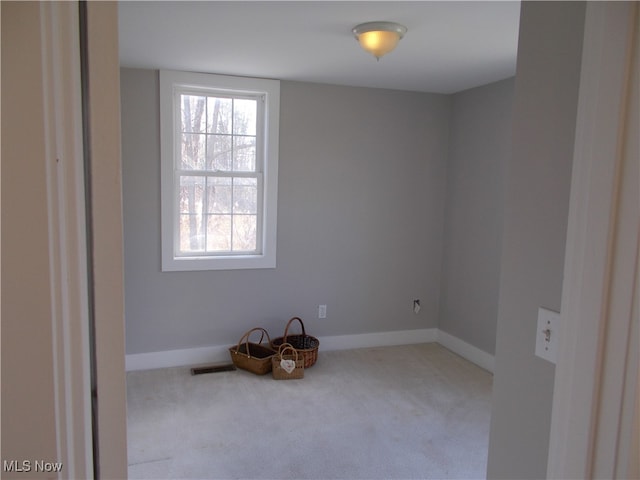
(547,345)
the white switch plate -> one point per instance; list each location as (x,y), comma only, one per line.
(547,334)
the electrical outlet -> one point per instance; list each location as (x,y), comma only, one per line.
(416,306)
(547,334)
(322,311)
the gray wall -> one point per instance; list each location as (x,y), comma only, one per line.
(479,148)
(360,221)
(535,223)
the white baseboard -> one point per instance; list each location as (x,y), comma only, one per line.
(467,351)
(380,339)
(178,358)
(220,353)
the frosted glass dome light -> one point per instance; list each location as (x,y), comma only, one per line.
(379,38)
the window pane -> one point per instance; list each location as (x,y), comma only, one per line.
(219,153)
(191,203)
(193,113)
(191,190)
(244,154)
(193,152)
(219,233)
(244,116)
(245,195)
(219,195)
(244,233)
(219,111)
(191,240)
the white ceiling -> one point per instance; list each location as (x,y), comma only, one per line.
(449,46)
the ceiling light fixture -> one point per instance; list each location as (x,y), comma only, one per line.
(379,38)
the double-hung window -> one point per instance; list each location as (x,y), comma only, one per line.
(219,171)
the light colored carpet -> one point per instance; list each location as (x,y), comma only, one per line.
(415,411)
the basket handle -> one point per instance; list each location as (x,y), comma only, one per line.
(286,346)
(248,334)
(286,330)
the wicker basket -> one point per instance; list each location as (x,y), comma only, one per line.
(304,344)
(254,357)
(287,354)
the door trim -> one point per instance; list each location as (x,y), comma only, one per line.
(576,449)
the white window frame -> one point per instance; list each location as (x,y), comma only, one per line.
(172,84)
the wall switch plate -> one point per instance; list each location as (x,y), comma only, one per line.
(322,311)
(547,334)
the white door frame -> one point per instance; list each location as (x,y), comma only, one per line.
(597,367)
(103,71)
(79,438)
(67,236)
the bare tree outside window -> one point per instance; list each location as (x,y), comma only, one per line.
(218,192)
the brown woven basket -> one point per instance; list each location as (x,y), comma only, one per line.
(287,353)
(254,357)
(304,344)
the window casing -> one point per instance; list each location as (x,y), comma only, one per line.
(219,171)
